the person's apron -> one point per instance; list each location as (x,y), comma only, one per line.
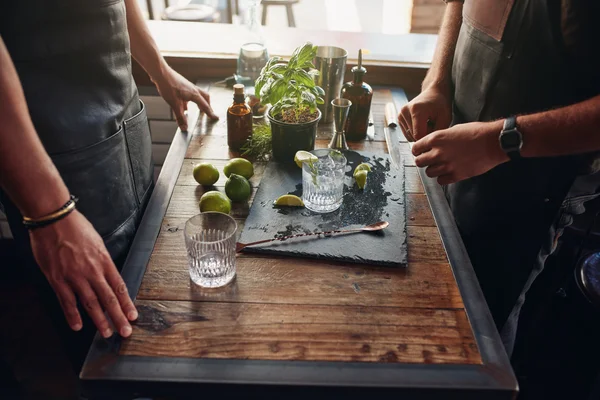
(74,62)
(508,61)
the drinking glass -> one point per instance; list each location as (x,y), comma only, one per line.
(252,58)
(210,241)
(323,181)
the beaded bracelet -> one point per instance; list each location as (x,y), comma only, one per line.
(32,223)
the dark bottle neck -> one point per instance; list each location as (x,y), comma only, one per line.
(358,79)
(239,99)
(358,72)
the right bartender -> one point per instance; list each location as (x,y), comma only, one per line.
(522,86)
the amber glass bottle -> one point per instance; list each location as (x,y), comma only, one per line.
(239,119)
(360,94)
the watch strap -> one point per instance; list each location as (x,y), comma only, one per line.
(510,124)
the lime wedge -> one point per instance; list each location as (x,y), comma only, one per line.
(304,156)
(289,200)
(361,178)
(362,167)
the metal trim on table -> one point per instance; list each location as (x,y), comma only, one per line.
(105,372)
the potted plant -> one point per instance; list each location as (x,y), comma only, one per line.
(291,90)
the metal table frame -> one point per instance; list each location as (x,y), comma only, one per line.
(105,373)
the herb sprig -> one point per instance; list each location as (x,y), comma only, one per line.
(258,146)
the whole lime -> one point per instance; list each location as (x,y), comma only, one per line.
(237,188)
(206,174)
(215,201)
(239,166)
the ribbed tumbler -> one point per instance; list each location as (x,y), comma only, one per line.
(210,240)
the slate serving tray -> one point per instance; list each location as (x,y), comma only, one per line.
(382,199)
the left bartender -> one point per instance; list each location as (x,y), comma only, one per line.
(75,152)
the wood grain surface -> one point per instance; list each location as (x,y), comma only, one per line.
(285,308)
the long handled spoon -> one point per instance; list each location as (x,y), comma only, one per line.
(377,226)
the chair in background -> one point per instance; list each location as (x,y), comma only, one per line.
(288,8)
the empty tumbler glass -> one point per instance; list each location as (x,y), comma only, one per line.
(210,239)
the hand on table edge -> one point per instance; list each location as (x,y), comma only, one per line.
(72,256)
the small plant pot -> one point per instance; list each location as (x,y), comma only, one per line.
(289,138)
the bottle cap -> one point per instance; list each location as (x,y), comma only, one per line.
(359,70)
(238,88)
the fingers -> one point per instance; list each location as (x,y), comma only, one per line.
(111,304)
(436,170)
(181,117)
(90,302)
(419,125)
(428,158)
(422,146)
(203,104)
(120,289)
(406,123)
(68,303)
(205,95)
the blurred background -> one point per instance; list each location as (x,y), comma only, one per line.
(380,16)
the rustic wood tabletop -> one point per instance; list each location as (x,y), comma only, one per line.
(286,313)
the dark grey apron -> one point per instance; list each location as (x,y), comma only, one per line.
(509,61)
(74,62)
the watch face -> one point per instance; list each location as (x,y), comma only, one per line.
(510,140)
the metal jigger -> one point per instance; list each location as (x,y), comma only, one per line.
(340,114)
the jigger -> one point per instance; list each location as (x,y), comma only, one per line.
(340,114)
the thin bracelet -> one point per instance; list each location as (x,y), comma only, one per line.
(32,223)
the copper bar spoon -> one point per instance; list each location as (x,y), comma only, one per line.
(377,226)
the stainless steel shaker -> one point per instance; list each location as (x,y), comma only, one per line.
(331,63)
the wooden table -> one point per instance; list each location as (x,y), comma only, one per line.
(298,324)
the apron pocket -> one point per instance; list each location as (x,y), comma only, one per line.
(100,176)
(139,144)
(473,50)
(488,16)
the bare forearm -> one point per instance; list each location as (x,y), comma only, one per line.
(574,129)
(143,47)
(441,66)
(27,173)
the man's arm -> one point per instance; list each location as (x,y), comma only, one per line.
(568,130)
(174,88)
(471,149)
(435,100)
(69,252)
(439,74)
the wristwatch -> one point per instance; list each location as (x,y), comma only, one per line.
(511,140)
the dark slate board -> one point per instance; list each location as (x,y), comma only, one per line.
(382,199)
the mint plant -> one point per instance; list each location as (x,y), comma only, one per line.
(290,87)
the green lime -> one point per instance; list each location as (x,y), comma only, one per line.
(303,156)
(237,188)
(215,201)
(289,200)
(361,178)
(239,166)
(362,167)
(206,174)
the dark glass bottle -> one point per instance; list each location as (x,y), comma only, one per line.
(239,119)
(360,94)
